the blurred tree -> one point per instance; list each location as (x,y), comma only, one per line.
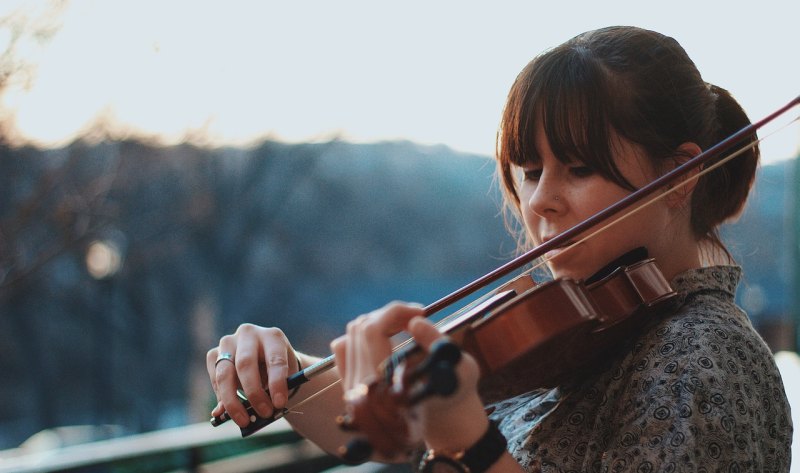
(299,236)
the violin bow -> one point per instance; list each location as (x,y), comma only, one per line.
(301,377)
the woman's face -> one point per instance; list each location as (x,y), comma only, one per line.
(555,196)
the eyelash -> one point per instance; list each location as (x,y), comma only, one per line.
(532,174)
(577,171)
(581,171)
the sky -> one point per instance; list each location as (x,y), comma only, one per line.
(432,72)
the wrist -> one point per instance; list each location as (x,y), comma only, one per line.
(477,458)
(456,428)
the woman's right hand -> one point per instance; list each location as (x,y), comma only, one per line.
(258,359)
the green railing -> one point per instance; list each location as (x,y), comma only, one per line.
(193,448)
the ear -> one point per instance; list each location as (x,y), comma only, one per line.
(681,192)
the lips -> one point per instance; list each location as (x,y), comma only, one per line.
(555,251)
(546,239)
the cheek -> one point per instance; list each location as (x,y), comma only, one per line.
(599,197)
(528,216)
(527,219)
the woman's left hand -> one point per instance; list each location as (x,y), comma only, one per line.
(454,422)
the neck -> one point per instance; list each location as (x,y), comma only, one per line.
(679,256)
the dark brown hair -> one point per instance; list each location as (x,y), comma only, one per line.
(640,85)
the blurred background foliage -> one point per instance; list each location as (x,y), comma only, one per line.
(123,261)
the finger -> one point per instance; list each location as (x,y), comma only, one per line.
(228,383)
(374,337)
(218,409)
(350,351)
(248,360)
(424,332)
(393,318)
(374,344)
(277,359)
(338,346)
(368,342)
(211,359)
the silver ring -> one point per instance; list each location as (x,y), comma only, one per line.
(223,357)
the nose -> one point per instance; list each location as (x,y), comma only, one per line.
(545,200)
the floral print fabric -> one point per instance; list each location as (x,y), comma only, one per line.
(697,392)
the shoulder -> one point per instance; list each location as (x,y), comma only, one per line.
(708,342)
(702,380)
(707,335)
(706,322)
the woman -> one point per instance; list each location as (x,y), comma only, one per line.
(585,124)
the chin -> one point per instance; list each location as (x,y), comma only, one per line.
(564,266)
(572,271)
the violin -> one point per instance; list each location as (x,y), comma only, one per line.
(516,322)
(521,327)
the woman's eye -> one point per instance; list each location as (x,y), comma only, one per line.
(581,171)
(532,174)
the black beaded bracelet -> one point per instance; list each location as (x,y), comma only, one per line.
(476,459)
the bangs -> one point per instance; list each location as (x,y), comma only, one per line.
(568,94)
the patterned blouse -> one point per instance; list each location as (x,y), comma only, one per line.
(698,392)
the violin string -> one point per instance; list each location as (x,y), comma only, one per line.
(396,348)
(444,320)
(291,409)
(664,194)
(448,318)
(404,343)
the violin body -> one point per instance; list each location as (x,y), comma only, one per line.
(544,315)
(585,323)
(539,334)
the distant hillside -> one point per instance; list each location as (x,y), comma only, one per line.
(303,237)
